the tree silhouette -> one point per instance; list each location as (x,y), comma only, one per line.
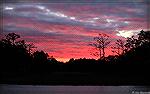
(131,43)
(119,47)
(12,37)
(144,37)
(21,44)
(30,47)
(14,54)
(40,57)
(137,49)
(100,43)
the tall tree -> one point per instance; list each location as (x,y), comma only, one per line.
(119,47)
(100,43)
(143,38)
(13,52)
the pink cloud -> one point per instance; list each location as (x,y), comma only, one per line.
(66,38)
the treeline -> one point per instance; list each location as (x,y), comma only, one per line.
(18,56)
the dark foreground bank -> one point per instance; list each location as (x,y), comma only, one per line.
(76,78)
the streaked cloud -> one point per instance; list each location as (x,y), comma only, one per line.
(64,30)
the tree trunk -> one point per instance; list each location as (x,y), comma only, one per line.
(100,54)
(103,52)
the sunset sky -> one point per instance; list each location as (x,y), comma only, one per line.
(65,29)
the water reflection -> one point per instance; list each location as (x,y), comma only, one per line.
(31,89)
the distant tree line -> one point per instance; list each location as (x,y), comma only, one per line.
(17,55)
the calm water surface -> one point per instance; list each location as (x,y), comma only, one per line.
(37,89)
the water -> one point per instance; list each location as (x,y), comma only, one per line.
(37,89)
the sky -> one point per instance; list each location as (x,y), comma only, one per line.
(64,29)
